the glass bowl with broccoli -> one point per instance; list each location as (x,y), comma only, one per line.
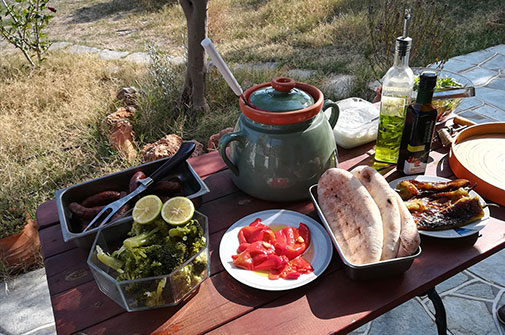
(445,79)
(145,266)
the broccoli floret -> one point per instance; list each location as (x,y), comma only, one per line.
(190,234)
(153,250)
(141,239)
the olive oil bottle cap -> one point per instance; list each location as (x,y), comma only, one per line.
(427,83)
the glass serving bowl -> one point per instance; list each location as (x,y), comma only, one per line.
(169,289)
(444,107)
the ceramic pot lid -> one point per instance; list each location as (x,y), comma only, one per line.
(281,96)
(314,103)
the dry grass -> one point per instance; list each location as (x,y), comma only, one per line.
(43,111)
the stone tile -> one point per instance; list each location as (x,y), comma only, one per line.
(491,96)
(176,60)
(495,63)
(479,76)
(338,86)
(497,48)
(452,282)
(498,83)
(409,318)
(300,73)
(112,54)
(475,117)
(138,57)
(59,45)
(468,317)
(81,49)
(491,112)
(492,268)
(476,57)
(454,65)
(468,103)
(478,289)
(361,330)
(26,305)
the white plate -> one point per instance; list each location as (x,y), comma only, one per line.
(318,253)
(467,230)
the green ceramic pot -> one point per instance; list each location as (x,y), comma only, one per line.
(276,152)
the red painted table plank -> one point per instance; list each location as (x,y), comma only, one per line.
(223,305)
(52,241)
(47,215)
(67,270)
(207,164)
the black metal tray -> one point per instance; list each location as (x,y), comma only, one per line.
(370,271)
(71,229)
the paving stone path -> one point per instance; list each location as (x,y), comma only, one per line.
(471,297)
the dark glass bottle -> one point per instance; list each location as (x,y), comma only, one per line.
(419,128)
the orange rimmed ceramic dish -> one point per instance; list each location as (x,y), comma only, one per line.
(478,154)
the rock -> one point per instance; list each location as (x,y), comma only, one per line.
(138,57)
(121,114)
(301,73)
(128,95)
(121,139)
(213,142)
(199,149)
(167,147)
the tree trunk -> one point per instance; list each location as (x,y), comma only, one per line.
(193,92)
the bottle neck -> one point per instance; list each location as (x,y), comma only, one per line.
(402,52)
(401,60)
(424,97)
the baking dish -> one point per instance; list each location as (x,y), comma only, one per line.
(71,228)
(370,271)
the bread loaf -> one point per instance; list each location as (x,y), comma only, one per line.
(352,215)
(385,198)
(409,236)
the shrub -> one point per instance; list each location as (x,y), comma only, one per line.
(429,30)
(22,25)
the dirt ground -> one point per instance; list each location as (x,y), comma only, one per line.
(122,25)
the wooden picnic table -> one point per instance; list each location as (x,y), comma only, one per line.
(331,304)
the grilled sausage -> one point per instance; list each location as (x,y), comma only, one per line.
(134,180)
(102,198)
(84,212)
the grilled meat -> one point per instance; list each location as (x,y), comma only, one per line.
(441,205)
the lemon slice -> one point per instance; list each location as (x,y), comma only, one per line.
(177,210)
(147,209)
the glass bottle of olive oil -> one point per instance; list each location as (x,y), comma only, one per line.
(396,92)
(419,128)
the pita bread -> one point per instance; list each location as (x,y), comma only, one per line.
(352,215)
(385,198)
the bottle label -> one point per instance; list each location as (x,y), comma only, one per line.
(393,106)
(414,165)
